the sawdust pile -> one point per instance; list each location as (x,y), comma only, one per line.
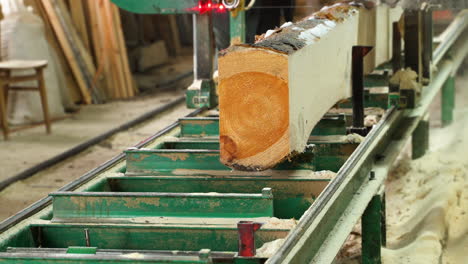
(269,249)
(350,252)
(276,223)
(427,210)
(427,207)
(353,138)
(427,202)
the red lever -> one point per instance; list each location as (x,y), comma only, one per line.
(246,231)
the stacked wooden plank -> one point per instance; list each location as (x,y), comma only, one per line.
(109,48)
(88,35)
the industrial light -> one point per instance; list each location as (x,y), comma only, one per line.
(209,6)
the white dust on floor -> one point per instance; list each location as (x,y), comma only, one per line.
(427,199)
(30,147)
(270,248)
(427,203)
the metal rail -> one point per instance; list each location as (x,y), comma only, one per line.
(450,35)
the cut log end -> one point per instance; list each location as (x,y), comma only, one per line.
(255,120)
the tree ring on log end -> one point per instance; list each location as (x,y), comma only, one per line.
(258,119)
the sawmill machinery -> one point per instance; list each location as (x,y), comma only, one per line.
(169,199)
(202,92)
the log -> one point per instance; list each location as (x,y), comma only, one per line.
(272,93)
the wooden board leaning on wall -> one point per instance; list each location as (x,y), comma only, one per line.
(88,37)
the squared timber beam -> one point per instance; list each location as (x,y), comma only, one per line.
(272,93)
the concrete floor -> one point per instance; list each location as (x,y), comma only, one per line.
(32,146)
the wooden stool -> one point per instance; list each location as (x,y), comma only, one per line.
(6,67)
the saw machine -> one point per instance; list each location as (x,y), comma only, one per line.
(202,92)
(169,199)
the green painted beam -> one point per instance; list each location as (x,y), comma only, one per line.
(372,232)
(195,162)
(172,162)
(327,155)
(22,237)
(158,6)
(237,26)
(330,125)
(376,80)
(81,250)
(20,259)
(448,101)
(292,195)
(63,256)
(379,100)
(209,126)
(83,205)
(420,138)
(149,236)
(199,127)
(331,155)
(190,143)
(203,157)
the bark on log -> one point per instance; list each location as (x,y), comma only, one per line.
(272,93)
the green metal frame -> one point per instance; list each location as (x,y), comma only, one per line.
(448,101)
(76,205)
(292,194)
(196,127)
(79,255)
(203,96)
(379,100)
(164,7)
(420,139)
(237,24)
(183,237)
(372,232)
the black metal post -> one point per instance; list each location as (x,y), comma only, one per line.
(203,45)
(396,49)
(358,89)
(428,37)
(412,41)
